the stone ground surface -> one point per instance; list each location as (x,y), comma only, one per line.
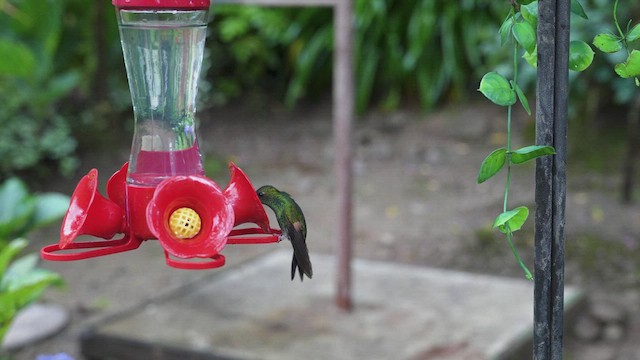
(415,202)
(254,312)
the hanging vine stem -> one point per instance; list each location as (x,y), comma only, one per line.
(519,28)
(509,233)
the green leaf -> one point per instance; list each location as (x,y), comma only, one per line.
(23,273)
(512,220)
(525,2)
(607,43)
(530,13)
(577,9)
(233,27)
(17,271)
(525,35)
(16,207)
(532,58)
(634,34)
(631,67)
(531,152)
(497,89)
(17,59)
(305,64)
(9,252)
(492,164)
(505,28)
(521,97)
(8,311)
(24,295)
(580,55)
(49,208)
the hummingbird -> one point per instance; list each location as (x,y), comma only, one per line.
(292,224)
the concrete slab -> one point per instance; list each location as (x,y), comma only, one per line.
(253,311)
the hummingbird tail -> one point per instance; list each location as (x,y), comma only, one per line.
(300,256)
(294,266)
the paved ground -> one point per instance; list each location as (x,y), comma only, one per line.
(415,202)
(401,312)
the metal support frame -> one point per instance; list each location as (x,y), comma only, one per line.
(343,112)
(551,129)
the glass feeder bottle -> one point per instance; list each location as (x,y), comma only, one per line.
(163,44)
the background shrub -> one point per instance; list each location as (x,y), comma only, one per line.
(63,84)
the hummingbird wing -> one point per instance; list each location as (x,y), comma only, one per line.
(300,259)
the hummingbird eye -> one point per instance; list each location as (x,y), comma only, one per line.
(261,193)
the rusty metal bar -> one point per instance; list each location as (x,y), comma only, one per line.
(343,89)
(551,129)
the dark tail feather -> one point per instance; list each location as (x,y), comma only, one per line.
(294,266)
(300,256)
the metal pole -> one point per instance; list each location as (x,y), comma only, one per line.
(551,129)
(343,118)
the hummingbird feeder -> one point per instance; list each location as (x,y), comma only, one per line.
(161,192)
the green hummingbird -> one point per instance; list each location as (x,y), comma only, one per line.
(293,226)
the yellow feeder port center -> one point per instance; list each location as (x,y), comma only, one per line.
(185,223)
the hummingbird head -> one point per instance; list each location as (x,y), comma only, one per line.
(267,193)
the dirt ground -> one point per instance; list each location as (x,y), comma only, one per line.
(415,201)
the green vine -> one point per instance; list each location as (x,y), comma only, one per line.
(519,30)
(613,43)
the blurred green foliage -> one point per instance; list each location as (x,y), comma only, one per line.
(247,45)
(31,86)
(22,212)
(405,49)
(63,85)
(602,74)
(21,281)
(49,58)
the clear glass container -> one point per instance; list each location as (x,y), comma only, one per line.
(163,52)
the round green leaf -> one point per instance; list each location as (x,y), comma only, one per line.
(511,220)
(607,43)
(580,55)
(492,164)
(525,35)
(631,67)
(497,89)
(531,152)
(634,34)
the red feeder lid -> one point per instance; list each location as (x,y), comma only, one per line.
(163,4)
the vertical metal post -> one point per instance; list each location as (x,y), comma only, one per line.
(551,129)
(343,118)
